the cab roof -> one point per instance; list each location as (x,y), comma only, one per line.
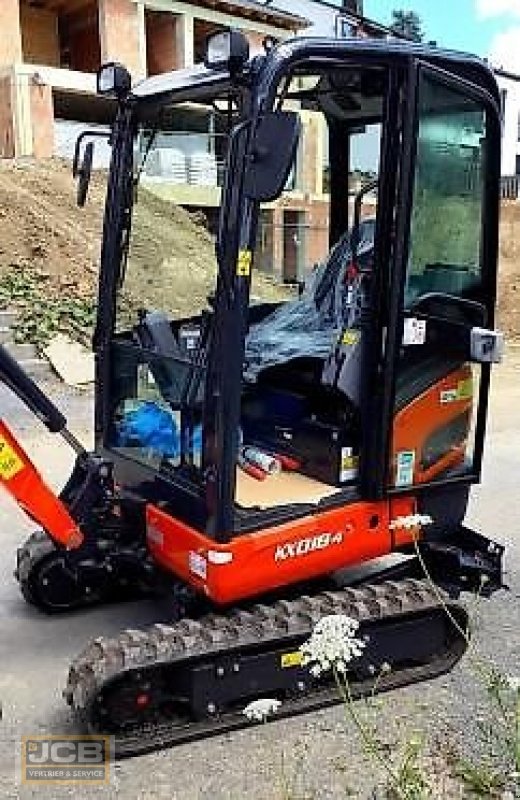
(199,83)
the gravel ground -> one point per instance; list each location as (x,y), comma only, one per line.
(313,756)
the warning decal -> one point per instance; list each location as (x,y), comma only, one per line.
(405,468)
(10,463)
(244,260)
(294,659)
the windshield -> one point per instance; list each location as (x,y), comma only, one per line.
(179,172)
(171,262)
(167,291)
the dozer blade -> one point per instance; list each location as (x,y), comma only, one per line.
(169,684)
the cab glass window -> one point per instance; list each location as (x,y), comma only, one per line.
(445,249)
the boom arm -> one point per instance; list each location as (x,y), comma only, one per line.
(18,474)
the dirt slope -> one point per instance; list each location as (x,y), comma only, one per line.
(49,249)
(49,254)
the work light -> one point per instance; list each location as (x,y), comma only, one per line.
(227,50)
(114,79)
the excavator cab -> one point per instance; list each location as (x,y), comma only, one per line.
(265,419)
(373,381)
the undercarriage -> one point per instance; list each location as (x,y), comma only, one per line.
(156,687)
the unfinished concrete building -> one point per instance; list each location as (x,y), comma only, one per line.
(50,51)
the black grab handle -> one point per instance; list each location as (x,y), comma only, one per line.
(29,393)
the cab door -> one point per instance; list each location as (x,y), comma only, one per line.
(445,284)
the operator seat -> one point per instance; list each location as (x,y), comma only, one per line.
(168,363)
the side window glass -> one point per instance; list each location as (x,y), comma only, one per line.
(445,247)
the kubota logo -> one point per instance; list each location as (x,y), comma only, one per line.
(304,546)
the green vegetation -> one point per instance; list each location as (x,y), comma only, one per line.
(42,310)
(407,23)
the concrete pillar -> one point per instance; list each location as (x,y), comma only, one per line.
(141,38)
(184,41)
(311,156)
(23,131)
(26,116)
(7,137)
(42,120)
(11,36)
(122,34)
(278,242)
(321,132)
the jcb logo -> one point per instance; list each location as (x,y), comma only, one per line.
(65,752)
(65,759)
(309,545)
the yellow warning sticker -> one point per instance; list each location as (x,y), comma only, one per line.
(349,461)
(465,389)
(350,338)
(244,260)
(10,463)
(291,659)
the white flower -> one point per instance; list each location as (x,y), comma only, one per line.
(259,710)
(411,521)
(514,683)
(333,643)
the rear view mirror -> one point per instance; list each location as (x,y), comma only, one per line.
(83,174)
(272,155)
(82,171)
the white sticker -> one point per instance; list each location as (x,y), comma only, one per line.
(348,470)
(198,565)
(410,521)
(405,468)
(414,331)
(449,396)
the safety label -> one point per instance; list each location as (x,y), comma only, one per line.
(449,396)
(244,260)
(10,463)
(350,337)
(294,659)
(414,331)
(405,468)
(349,465)
(463,391)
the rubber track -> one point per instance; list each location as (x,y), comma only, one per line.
(235,631)
(35,548)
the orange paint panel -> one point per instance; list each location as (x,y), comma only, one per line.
(424,417)
(257,562)
(403,507)
(24,483)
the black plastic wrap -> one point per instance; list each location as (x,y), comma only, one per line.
(310,325)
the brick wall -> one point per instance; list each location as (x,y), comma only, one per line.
(119,30)
(40,42)
(10,38)
(80,40)
(160,42)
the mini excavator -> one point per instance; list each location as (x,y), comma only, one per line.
(367,387)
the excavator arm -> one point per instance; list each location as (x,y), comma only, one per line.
(17,472)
